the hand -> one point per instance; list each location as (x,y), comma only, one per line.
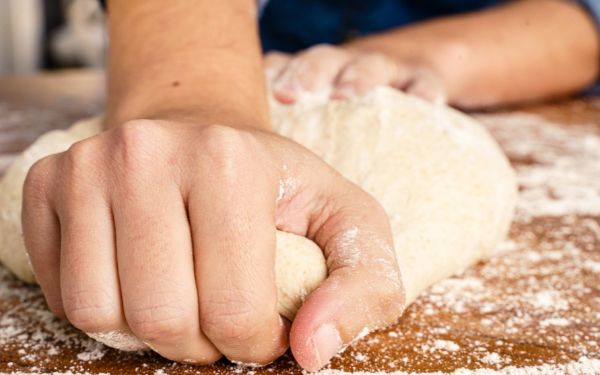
(347,72)
(166,229)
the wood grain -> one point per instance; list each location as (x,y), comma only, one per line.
(536,302)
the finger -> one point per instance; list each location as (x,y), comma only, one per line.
(312,70)
(157,276)
(41,230)
(363,291)
(232,216)
(274,63)
(154,254)
(426,85)
(364,73)
(88,267)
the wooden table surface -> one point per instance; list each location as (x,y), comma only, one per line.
(534,306)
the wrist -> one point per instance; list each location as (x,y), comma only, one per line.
(207,97)
(232,113)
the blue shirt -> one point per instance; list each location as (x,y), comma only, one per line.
(293,25)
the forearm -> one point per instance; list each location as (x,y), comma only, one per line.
(189,60)
(525,50)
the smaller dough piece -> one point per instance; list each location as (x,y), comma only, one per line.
(12,248)
(448,189)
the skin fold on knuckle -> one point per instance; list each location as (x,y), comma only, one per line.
(224,146)
(91,311)
(137,146)
(232,318)
(168,321)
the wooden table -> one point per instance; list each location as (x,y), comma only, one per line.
(535,305)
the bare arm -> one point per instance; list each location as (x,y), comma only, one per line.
(525,50)
(185,59)
(180,201)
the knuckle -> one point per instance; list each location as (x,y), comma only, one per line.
(80,172)
(301,72)
(160,322)
(372,67)
(231,319)
(78,159)
(316,63)
(227,149)
(81,152)
(91,310)
(137,141)
(38,178)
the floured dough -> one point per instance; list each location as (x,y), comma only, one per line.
(447,187)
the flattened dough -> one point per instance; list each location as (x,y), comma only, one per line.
(447,187)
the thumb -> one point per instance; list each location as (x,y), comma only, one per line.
(363,291)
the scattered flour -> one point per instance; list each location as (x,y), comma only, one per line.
(548,300)
(540,289)
(583,366)
(592,266)
(492,359)
(557,165)
(557,322)
(446,345)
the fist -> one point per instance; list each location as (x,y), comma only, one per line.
(166,230)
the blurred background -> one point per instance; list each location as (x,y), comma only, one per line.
(50,34)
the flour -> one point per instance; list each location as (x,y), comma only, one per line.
(492,359)
(592,266)
(445,345)
(557,166)
(556,322)
(581,367)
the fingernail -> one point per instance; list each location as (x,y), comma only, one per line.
(285,95)
(326,342)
